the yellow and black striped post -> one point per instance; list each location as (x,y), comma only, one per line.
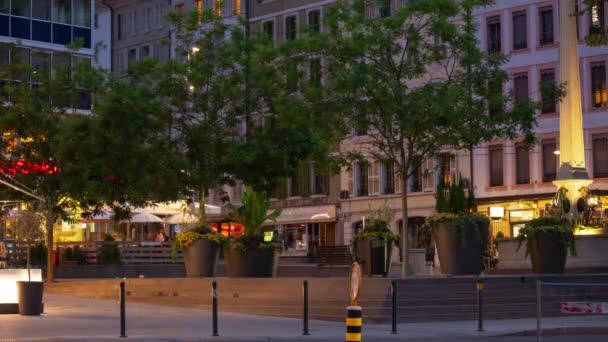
(353,324)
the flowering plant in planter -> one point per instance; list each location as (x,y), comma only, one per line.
(189,237)
(558,229)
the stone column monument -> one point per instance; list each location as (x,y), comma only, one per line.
(572,174)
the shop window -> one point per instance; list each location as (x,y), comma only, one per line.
(522,164)
(361,173)
(291,27)
(547,86)
(198,5)
(268,29)
(217,5)
(520,86)
(549,160)
(314,21)
(493,34)
(21,8)
(600,156)
(496,165)
(520,30)
(545,16)
(598,84)
(62,11)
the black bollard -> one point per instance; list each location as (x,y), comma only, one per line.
(480,305)
(214,308)
(394,293)
(123,319)
(305,317)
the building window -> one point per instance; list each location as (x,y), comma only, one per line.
(237,7)
(549,159)
(180,8)
(496,166)
(545,16)
(495,96)
(132,56)
(314,21)
(387,178)
(291,27)
(218,7)
(522,164)
(384,8)
(62,11)
(416,180)
(268,29)
(494,35)
(4,6)
(41,9)
(314,72)
(145,51)
(82,13)
(520,30)
(198,5)
(597,24)
(600,156)
(598,84)
(320,182)
(547,85)
(361,172)
(520,86)
(446,164)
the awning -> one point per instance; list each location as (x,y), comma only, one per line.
(314,214)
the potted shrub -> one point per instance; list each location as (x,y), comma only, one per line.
(30,292)
(376,241)
(200,247)
(461,237)
(73,256)
(249,255)
(548,241)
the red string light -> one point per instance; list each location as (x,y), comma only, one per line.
(24,167)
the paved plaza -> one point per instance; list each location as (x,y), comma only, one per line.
(77,319)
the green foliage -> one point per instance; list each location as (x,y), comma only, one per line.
(453,200)
(480,222)
(74,254)
(188,237)
(252,215)
(38,254)
(377,225)
(559,229)
(110,252)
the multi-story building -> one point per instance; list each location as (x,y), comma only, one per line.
(514,183)
(132,30)
(45,33)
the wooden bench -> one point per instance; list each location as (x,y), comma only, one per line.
(335,255)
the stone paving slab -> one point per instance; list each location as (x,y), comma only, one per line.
(77,319)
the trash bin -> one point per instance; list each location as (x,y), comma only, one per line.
(378,256)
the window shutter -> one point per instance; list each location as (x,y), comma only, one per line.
(374,179)
(304,177)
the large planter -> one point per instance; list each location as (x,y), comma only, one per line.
(459,255)
(547,253)
(254,263)
(374,256)
(30,297)
(200,258)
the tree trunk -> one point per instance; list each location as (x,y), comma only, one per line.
(404,237)
(50,266)
(202,215)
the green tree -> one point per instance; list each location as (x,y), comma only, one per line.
(409,77)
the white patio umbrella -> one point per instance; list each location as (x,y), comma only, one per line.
(143,218)
(182,218)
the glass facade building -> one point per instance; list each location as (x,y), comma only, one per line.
(49,21)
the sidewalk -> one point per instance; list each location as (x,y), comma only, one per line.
(70,318)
